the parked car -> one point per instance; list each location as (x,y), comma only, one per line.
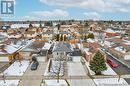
(114,65)
(34,65)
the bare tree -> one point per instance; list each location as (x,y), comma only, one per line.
(56,69)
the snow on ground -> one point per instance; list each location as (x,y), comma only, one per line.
(120,49)
(110,81)
(10,49)
(17,68)
(109,70)
(9,83)
(20,25)
(81,82)
(13,48)
(90,71)
(54,83)
(54,68)
(90,40)
(76,69)
(46,46)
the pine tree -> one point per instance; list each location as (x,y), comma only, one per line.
(90,35)
(30,25)
(98,63)
(57,37)
(65,38)
(61,38)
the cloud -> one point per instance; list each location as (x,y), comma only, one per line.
(54,13)
(46,15)
(30,18)
(92,15)
(95,5)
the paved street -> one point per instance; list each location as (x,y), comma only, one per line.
(121,69)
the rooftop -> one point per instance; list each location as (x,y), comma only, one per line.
(62,47)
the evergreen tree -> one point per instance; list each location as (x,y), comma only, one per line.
(65,38)
(90,35)
(61,38)
(57,37)
(30,25)
(40,25)
(98,63)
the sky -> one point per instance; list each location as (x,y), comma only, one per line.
(71,9)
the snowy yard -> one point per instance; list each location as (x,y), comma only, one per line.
(110,82)
(81,82)
(9,83)
(54,83)
(76,69)
(17,68)
(55,68)
(109,70)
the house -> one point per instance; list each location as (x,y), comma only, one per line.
(75,55)
(30,34)
(10,31)
(15,26)
(118,47)
(60,50)
(2,38)
(9,52)
(33,48)
(41,56)
(111,33)
(15,35)
(47,35)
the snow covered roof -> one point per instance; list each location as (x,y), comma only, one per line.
(13,48)
(46,46)
(62,47)
(10,49)
(35,25)
(2,37)
(19,25)
(109,30)
(90,40)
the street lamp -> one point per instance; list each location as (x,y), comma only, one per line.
(3,76)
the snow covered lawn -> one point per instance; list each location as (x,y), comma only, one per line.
(76,69)
(17,68)
(9,83)
(54,83)
(109,70)
(81,82)
(54,68)
(110,81)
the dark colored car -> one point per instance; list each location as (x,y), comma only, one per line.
(114,65)
(34,65)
